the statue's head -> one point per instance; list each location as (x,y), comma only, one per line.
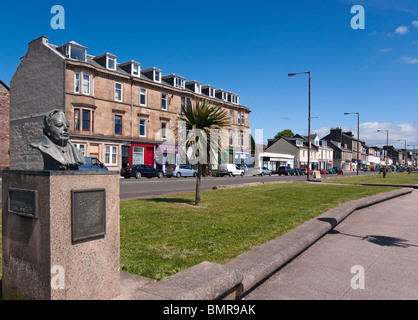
(56,127)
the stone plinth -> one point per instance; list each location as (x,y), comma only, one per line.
(61,235)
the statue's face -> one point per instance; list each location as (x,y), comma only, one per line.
(59,130)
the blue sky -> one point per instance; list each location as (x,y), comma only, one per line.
(249,47)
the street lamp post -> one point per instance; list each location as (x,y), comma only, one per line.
(387,144)
(358,135)
(404,161)
(309,121)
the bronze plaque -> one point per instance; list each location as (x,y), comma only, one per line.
(22,202)
(88,214)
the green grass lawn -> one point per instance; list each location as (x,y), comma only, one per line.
(391,178)
(162,236)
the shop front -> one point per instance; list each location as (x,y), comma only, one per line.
(142,153)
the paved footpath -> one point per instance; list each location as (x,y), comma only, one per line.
(372,254)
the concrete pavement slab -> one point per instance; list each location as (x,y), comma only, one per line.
(381,239)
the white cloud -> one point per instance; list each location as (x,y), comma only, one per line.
(386,50)
(402,30)
(369,134)
(415,24)
(409,60)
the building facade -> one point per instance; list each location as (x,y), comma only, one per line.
(4,124)
(118,112)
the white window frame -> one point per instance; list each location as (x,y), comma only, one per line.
(242,118)
(76,82)
(164,98)
(198,88)
(121,91)
(133,70)
(239,118)
(231,116)
(111,155)
(88,84)
(108,59)
(211,92)
(157,79)
(144,93)
(144,125)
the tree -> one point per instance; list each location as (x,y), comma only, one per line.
(287,133)
(199,119)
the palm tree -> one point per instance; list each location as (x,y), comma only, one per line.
(204,116)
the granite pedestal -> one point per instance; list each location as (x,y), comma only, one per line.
(61,235)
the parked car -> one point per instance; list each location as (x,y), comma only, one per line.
(324,171)
(260,171)
(180,171)
(299,171)
(230,169)
(93,164)
(286,171)
(141,170)
(331,171)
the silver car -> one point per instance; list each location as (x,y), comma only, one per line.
(180,171)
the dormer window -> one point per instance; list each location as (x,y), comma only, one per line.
(107,61)
(233,98)
(73,50)
(154,74)
(221,94)
(195,86)
(208,90)
(175,80)
(132,67)
(179,83)
(299,143)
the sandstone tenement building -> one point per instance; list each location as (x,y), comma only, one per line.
(118,112)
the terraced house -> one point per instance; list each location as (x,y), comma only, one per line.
(119,112)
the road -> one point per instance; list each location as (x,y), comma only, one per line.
(154,187)
(143,188)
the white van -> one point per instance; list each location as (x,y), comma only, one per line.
(230,169)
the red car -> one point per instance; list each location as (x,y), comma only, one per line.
(324,171)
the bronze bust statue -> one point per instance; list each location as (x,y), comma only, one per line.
(58,152)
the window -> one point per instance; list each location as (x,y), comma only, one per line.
(111,63)
(76,53)
(198,88)
(242,118)
(179,83)
(118,124)
(157,76)
(135,70)
(76,119)
(189,104)
(86,120)
(111,155)
(242,139)
(77,82)
(163,101)
(83,119)
(86,84)
(81,147)
(163,130)
(143,97)
(138,155)
(211,92)
(231,138)
(231,116)
(182,105)
(239,118)
(142,127)
(118,91)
